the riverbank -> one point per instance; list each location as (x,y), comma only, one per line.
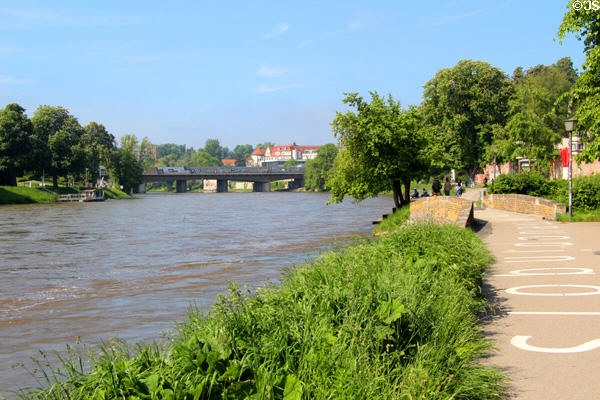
(36,195)
(387,318)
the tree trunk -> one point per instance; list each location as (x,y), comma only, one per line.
(398,200)
(407,191)
(54,180)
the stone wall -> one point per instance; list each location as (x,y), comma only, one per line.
(443,209)
(522,203)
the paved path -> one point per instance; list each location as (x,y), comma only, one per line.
(546,287)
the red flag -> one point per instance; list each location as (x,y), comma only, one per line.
(564,155)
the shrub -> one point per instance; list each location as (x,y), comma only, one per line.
(532,183)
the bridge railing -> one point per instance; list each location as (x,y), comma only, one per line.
(220,170)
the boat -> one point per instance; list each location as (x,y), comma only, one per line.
(93,195)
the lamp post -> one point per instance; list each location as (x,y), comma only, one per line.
(570,126)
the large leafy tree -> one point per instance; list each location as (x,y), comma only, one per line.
(99,146)
(127,168)
(204,159)
(213,147)
(384,149)
(317,170)
(16,132)
(461,106)
(535,123)
(58,148)
(240,152)
(585,24)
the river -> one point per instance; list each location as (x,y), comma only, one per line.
(131,268)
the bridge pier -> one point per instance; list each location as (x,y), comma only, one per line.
(261,187)
(141,188)
(180,186)
(296,183)
(222,185)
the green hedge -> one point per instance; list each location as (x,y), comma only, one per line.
(394,318)
(586,189)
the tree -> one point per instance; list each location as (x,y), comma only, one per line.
(317,170)
(265,145)
(291,163)
(166,149)
(99,146)
(212,147)
(241,152)
(383,149)
(535,123)
(585,24)
(127,169)
(16,131)
(60,155)
(204,159)
(461,106)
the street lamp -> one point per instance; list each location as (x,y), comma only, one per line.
(570,126)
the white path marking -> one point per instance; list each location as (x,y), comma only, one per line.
(521,259)
(585,313)
(534,272)
(543,237)
(534,251)
(587,250)
(520,342)
(543,244)
(517,290)
(538,232)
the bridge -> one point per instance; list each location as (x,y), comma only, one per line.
(261,177)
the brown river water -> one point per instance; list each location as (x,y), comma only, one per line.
(132,268)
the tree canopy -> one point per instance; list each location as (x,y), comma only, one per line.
(16,131)
(384,149)
(585,24)
(317,170)
(461,107)
(535,122)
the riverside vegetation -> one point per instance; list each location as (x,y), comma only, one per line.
(388,318)
(26,195)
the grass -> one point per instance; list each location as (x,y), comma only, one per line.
(24,195)
(392,318)
(114,193)
(580,216)
(393,221)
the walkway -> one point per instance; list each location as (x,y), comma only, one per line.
(546,287)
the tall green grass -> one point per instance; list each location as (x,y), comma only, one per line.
(393,221)
(394,318)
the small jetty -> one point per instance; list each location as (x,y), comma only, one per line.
(87,195)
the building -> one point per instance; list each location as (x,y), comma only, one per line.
(228,161)
(256,158)
(281,154)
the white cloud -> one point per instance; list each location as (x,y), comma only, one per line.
(269,89)
(350,27)
(7,80)
(280,30)
(267,70)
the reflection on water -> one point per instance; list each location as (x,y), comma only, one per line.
(130,269)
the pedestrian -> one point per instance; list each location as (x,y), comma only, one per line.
(415,194)
(459,188)
(447,187)
(436,187)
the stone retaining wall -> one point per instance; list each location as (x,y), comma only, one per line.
(443,209)
(525,204)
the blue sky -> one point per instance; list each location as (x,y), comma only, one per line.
(254,71)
